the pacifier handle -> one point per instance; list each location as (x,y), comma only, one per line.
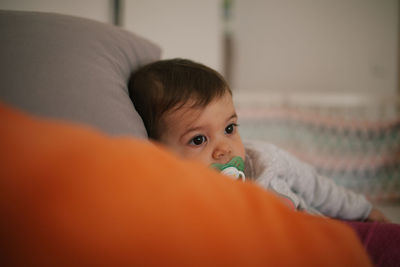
(234,168)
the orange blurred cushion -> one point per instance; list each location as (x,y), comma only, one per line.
(70,195)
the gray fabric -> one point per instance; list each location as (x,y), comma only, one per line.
(71,68)
(274,169)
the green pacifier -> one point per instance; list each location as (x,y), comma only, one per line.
(234,168)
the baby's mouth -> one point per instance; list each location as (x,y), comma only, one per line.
(233,168)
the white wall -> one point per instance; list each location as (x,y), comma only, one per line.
(99,10)
(325,46)
(339,46)
(183,28)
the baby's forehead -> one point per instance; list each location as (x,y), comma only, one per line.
(202,102)
(189,111)
(185,113)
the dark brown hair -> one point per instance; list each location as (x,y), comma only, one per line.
(168,84)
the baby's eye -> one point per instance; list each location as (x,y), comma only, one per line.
(230,128)
(198,140)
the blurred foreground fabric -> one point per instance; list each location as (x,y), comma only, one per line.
(73,196)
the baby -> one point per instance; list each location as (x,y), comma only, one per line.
(188,107)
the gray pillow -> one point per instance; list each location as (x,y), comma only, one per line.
(71,68)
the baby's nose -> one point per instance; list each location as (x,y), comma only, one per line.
(222,152)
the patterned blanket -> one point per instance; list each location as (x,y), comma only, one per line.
(356,148)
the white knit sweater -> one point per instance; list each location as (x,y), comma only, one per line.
(278,171)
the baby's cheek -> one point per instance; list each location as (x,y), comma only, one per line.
(206,157)
(243,154)
(240,148)
(198,155)
(180,151)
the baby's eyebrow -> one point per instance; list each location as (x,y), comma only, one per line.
(234,116)
(188,131)
(191,130)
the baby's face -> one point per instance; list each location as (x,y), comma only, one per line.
(207,134)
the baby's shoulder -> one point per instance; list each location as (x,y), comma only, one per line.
(263,151)
(259,157)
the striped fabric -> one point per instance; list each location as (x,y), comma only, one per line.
(358,148)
